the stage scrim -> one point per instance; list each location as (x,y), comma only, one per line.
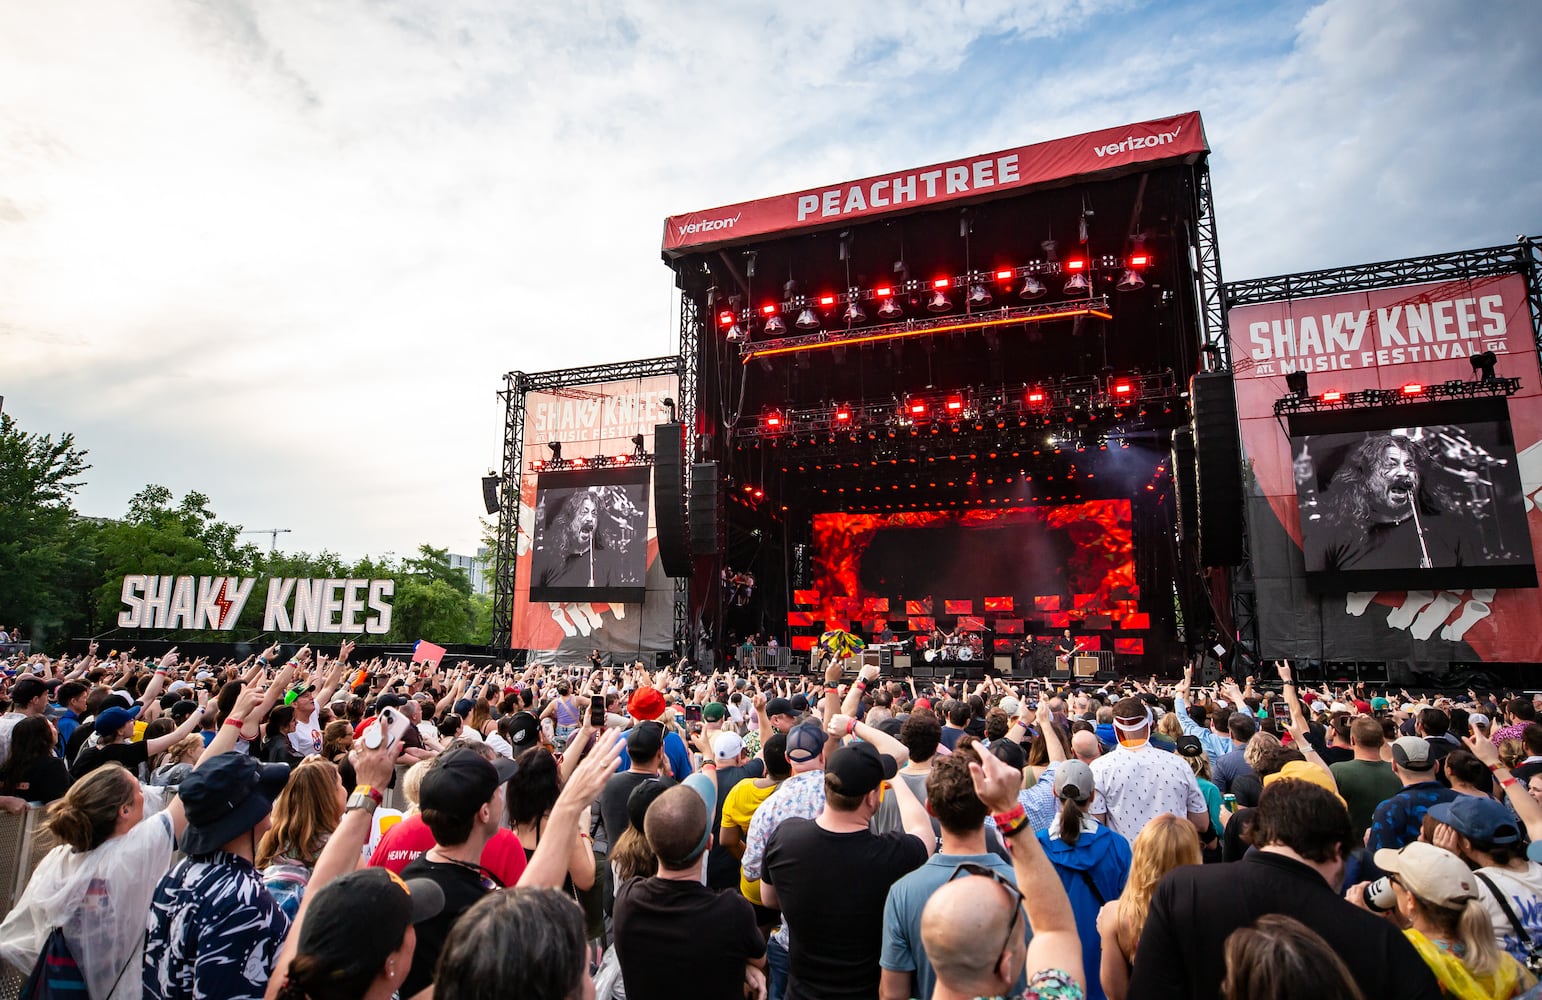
(1470,468)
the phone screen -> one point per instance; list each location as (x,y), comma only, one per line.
(693,713)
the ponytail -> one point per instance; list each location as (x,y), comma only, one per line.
(88,814)
(1071,813)
(1476,931)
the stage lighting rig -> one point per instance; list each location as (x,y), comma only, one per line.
(1412,392)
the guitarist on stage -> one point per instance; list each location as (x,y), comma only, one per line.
(1068,648)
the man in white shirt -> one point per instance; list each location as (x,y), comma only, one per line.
(29,697)
(1139,782)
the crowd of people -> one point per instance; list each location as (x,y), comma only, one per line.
(608,831)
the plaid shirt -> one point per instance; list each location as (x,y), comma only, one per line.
(801,796)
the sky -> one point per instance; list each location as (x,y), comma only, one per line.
(282,253)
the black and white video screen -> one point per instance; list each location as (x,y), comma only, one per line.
(591,536)
(1411,497)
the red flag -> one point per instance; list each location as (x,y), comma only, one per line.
(424,651)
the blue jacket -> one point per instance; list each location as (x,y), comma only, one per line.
(1101,857)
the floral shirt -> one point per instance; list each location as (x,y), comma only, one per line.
(801,796)
(215,931)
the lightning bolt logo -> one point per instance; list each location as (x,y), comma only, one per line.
(222,601)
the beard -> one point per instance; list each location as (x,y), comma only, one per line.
(1391,496)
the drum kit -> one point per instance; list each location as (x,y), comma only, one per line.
(965,648)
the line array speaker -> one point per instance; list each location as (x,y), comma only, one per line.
(706,506)
(669,500)
(1183,484)
(1218,468)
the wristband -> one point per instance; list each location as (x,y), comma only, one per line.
(1012,821)
(371,791)
(1507,782)
(861,685)
(238,723)
(1495,767)
(851,726)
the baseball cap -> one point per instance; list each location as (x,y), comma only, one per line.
(805,742)
(1478,719)
(1300,770)
(462,781)
(1380,704)
(464,707)
(298,691)
(1481,820)
(778,706)
(524,731)
(1338,707)
(858,768)
(713,711)
(646,704)
(1010,705)
(800,703)
(345,946)
(1412,753)
(1432,873)
(1362,706)
(110,720)
(1189,746)
(923,704)
(645,740)
(727,746)
(1073,780)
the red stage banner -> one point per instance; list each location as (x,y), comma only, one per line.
(1098,622)
(1385,339)
(971,623)
(1112,149)
(957,607)
(805,598)
(919,607)
(1046,603)
(877,625)
(1137,620)
(1058,619)
(1002,645)
(1091,643)
(875,606)
(922,623)
(999,604)
(800,618)
(1130,647)
(1009,626)
(803,643)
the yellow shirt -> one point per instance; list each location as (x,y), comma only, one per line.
(743,799)
(1456,980)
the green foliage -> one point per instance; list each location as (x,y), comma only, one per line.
(61,574)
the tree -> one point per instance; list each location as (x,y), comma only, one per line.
(38,480)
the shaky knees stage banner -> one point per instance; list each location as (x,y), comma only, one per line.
(1459,489)
(587,573)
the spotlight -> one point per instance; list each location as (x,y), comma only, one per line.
(556,449)
(773,420)
(775,327)
(854,314)
(669,404)
(637,445)
(889,308)
(979,296)
(1076,284)
(1033,288)
(1130,281)
(1296,383)
(939,301)
(735,334)
(807,320)
(726,318)
(1484,363)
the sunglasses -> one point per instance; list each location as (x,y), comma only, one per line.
(1013,892)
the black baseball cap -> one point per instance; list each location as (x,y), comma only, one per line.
(779,706)
(858,769)
(462,781)
(645,740)
(358,919)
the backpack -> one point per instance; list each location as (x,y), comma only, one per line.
(56,975)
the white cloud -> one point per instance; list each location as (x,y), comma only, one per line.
(283,253)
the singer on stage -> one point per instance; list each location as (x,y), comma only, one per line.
(1382,514)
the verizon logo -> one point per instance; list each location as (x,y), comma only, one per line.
(707,225)
(1137,142)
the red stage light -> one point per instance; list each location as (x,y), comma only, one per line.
(621,459)
(538,464)
(773,419)
(1332,396)
(1035,397)
(941,283)
(827,300)
(769,309)
(725,318)
(578,462)
(748,487)
(1139,260)
(883,292)
(1076,264)
(1123,388)
(917,409)
(955,404)
(842,415)
(1005,275)
(1412,389)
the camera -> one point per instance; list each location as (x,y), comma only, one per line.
(1378,895)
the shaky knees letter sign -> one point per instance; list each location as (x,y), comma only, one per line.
(215,603)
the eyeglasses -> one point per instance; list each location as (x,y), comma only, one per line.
(1013,892)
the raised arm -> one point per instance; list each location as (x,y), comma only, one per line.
(549,864)
(1526,807)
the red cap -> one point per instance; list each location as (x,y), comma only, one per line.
(645,704)
(925,703)
(1362,706)
(1309,696)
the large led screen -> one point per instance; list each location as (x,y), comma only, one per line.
(1081,550)
(1423,496)
(591,536)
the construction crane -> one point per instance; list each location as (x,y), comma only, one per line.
(273,532)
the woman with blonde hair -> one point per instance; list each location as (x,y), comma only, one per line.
(1167,842)
(178,761)
(1436,895)
(304,816)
